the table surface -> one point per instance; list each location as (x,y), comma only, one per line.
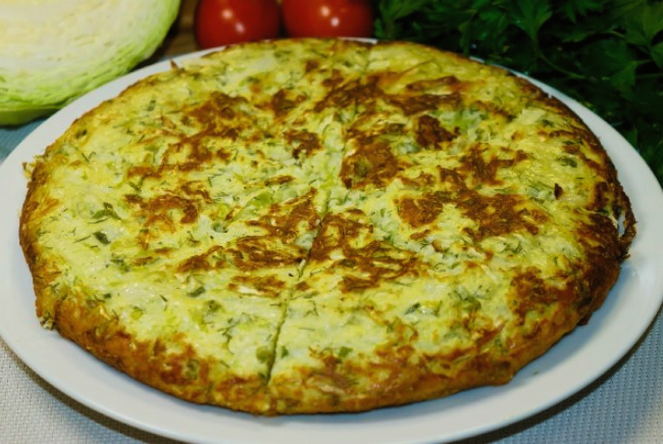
(624,405)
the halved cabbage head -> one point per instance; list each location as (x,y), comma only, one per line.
(52,51)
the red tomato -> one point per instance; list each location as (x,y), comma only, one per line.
(328,18)
(221,22)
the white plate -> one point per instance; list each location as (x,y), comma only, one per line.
(572,364)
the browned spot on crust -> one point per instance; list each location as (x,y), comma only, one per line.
(158,212)
(197,153)
(278,180)
(219,117)
(354,91)
(42,208)
(363,266)
(219,105)
(156,209)
(143,260)
(255,252)
(424,102)
(497,215)
(574,150)
(283,220)
(269,286)
(197,156)
(430,133)
(334,231)
(423,180)
(301,286)
(196,189)
(395,128)
(223,155)
(493,109)
(532,293)
(200,262)
(311,65)
(473,164)
(229,132)
(307,142)
(424,85)
(333,80)
(281,104)
(420,235)
(142,171)
(452,177)
(133,198)
(282,225)
(376,262)
(372,162)
(422,211)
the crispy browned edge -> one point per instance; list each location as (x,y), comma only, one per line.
(149,362)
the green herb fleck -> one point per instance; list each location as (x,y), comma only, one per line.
(263,354)
(567,161)
(192,369)
(412,308)
(107,212)
(344,351)
(197,292)
(101,237)
(119,261)
(137,313)
(192,240)
(137,187)
(218,227)
(213,306)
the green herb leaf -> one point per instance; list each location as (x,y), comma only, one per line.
(575,8)
(530,15)
(657,54)
(412,308)
(643,23)
(107,212)
(263,354)
(213,306)
(197,292)
(101,237)
(121,264)
(344,351)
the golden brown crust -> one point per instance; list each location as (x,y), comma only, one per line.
(543,305)
(181,373)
